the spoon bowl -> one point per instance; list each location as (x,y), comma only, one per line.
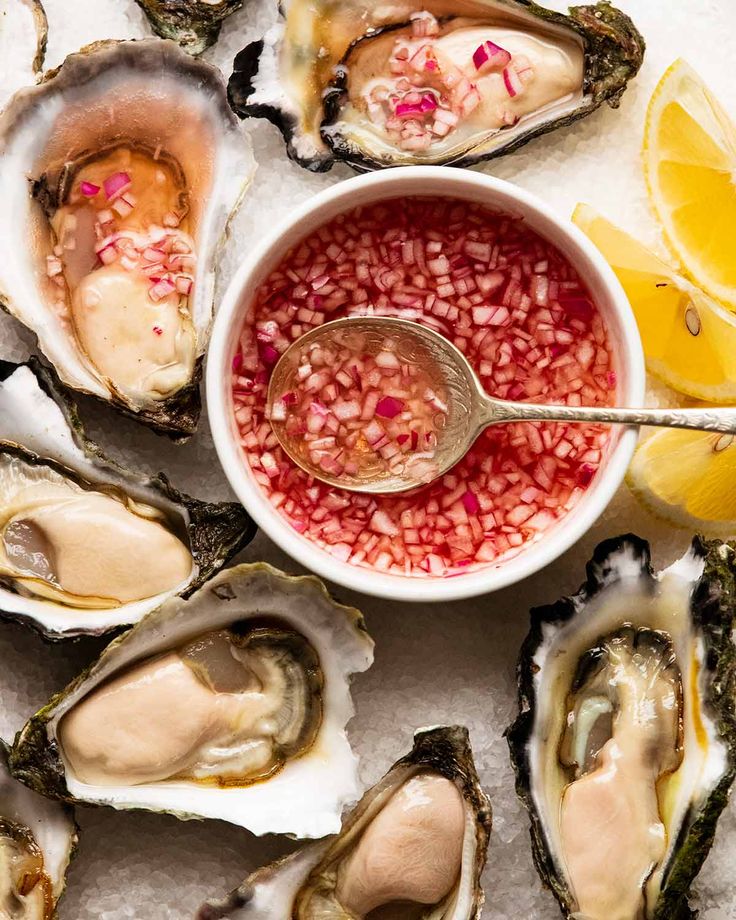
(414,345)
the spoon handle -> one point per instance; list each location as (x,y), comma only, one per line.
(722,419)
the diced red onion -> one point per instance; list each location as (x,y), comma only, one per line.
(116,184)
(88,189)
(490,56)
(512,82)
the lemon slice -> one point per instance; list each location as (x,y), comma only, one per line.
(687,478)
(690,165)
(689,340)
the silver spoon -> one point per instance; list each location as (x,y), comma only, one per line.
(470,409)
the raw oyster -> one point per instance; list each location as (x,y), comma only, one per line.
(624,748)
(23,30)
(443,82)
(111,250)
(414,847)
(231,704)
(37,839)
(86,546)
(195,24)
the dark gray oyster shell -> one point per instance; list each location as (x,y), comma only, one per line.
(625,744)
(194,24)
(308,73)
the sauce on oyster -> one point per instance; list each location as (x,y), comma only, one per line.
(623,734)
(69,543)
(123,266)
(436,84)
(229,707)
(25,888)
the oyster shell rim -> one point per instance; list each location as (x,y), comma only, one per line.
(713,608)
(216,530)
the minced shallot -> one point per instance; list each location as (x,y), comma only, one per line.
(513,304)
(358,408)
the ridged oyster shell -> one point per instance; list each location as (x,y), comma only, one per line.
(152,98)
(299,75)
(303,885)
(40,431)
(303,795)
(625,744)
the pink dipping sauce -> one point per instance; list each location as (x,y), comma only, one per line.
(505,297)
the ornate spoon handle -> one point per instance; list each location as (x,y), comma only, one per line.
(700,419)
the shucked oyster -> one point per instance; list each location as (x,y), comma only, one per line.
(444,82)
(23,31)
(110,253)
(195,24)
(37,840)
(412,849)
(231,704)
(84,545)
(625,746)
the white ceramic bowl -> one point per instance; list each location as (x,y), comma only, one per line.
(453,183)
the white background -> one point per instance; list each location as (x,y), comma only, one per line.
(433,664)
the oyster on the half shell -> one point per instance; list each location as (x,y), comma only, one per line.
(412,849)
(110,251)
(625,745)
(441,82)
(86,546)
(230,704)
(37,840)
(195,24)
(23,30)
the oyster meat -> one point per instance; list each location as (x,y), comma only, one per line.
(23,30)
(625,746)
(414,847)
(231,704)
(195,24)
(37,840)
(439,83)
(111,250)
(84,545)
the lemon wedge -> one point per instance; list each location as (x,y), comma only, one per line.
(687,478)
(690,165)
(689,339)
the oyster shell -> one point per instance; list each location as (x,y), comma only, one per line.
(86,546)
(23,30)
(339,78)
(414,846)
(111,251)
(231,704)
(625,745)
(194,24)
(37,840)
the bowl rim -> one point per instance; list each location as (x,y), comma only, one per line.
(344,195)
